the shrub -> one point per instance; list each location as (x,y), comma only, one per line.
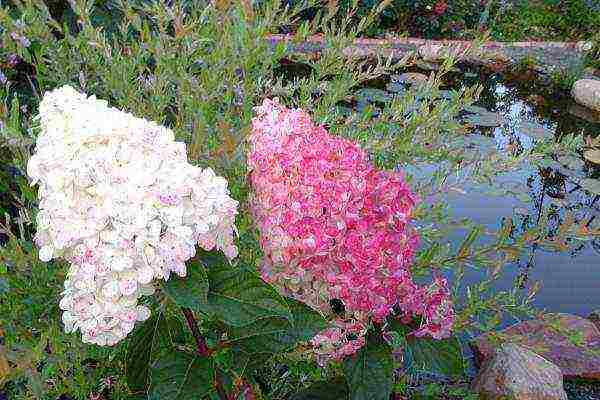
(200,70)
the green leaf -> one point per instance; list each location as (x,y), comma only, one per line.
(255,343)
(465,246)
(237,295)
(190,291)
(424,354)
(157,334)
(370,372)
(442,357)
(182,376)
(332,390)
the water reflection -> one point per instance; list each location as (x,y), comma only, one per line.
(570,278)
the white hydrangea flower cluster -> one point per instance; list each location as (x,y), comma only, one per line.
(120,202)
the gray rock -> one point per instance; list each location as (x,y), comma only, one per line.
(431,52)
(587,93)
(411,78)
(516,373)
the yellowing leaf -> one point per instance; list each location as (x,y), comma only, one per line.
(4,367)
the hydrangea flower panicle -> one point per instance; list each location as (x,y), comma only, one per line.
(119,201)
(335,227)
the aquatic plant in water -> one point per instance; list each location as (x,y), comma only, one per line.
(119,201)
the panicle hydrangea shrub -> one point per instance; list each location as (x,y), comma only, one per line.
(333,226)
(119,201)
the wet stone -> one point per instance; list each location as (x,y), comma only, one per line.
(587,93)
(516,373)
(569,341)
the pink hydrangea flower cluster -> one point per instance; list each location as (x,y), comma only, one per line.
(334,227)
(120,202)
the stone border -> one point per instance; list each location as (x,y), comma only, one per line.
(551,55)
(320,39)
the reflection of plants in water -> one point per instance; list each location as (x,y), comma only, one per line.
(536,98)
(563,218)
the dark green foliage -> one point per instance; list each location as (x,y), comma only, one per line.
(155,337)
(369,373)
(181,376)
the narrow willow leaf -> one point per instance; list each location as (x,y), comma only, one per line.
(237,295)
(465,246)
(332,390)
(191,290)
(370,372)
(182,376)
(156,335)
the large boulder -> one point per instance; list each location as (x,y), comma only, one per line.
(570,342)
(515,373)
(587,93)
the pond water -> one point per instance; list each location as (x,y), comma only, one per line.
(529,108)
(513,111)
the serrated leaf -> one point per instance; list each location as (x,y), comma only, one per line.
(237,295)
(331,390)
(181,376)
(442,357)
(370,372)
(258,341)
(157,334)
(424,354)
(191,290)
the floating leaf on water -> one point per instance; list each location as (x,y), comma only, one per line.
(410,77)
(488,119)
(395,87)
(373,95)
(591,185)
(571,162)
(535,130)
(476,110)
(592,156)
(427,66)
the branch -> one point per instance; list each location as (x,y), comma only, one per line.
(201,346)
